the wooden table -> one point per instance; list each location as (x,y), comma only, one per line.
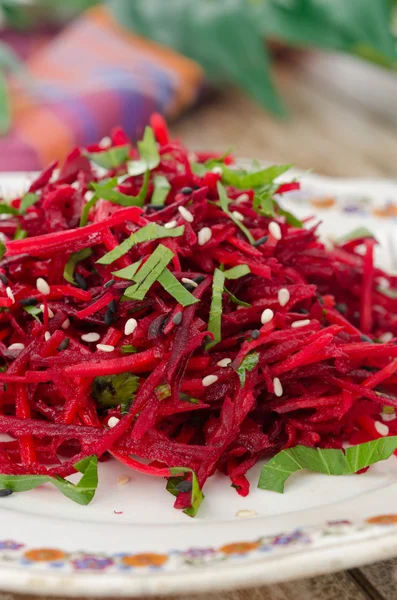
(343,123)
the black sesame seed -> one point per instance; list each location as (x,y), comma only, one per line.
(196,187)
(341,307)
(112,306)
(320,299)
(155,206)
(4,492)
(199,278)
(186,190)
(184,486)
(207,339)
(80,281)
(241,340)
(109,283)
(177,319)
(261,241)
(302,311)
(365,338)
(188,286)
(4,278)
(64,344)
(109,316)
(28,301)
(156,327)
(255,333)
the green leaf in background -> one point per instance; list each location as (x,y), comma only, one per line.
(357,234)
(112,158)
(28,200)
(197,495)
(215,319)
(111,390)
(74,258)
(176,289)
(5,110)
(148,153)
(82,492)
(161,189)
(248,364)
(328,461)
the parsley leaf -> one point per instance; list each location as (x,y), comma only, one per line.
(111,390)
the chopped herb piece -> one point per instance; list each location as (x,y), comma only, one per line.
(128,272)
(176,289)
(197,495)
(163,391)
(248,364)
(2,250)
(160,192)
(215,320)
(112,158)
(20,234)
(247,180)
(328,461)
(149,273)
(237,272)
(27,201)
(74,259)
(7,209)
(236,300)
(128,349)
(357,234)
(111,390)
(148,153)
(34,311)
(224,202)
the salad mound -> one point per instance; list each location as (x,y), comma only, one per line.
(161,307)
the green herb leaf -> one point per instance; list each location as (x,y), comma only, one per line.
(28,200)
(215,320)
(111,390)
(128,272)
(328,461)
(237,272)
(289,217)
(82,493)
(149,273)
(149,232)
(224,202)
(163,391)
(357,234)
(34,311)
(263,202)
(248,364)
(112,158)
(128,349)
(20,234)
(245,180)
(149,155)
(7,209)
(74,258)
(236,300)
(2,250)
(197,495)
(161,188)
(176,289)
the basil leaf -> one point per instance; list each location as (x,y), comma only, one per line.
(149,155)
(248,364)
(128,272)
(161,188)
(34,311)
(237,272)
(215,320)
(236,300)
(111,390)
(28,200)
(74,258)
(328,461)
(112,158)
(248,180)
(149,273)
(149,232)
(7,209)
(224,202)
(197,495)
(357,234)
(82,493)
(176,289)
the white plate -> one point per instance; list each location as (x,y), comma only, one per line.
(131,542)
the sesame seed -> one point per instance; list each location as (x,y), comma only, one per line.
(177,318)
(246,514)
(10,294)
(109,317)
(105,347)
(237,215)
(184,486)
(185,214)
(50,313)
(16,347)
(28,301)
(303,323)
(242,198)
(80,281)
(170,224)
(274,229)
(204,236)
(123,479)
(255,333)
(89,195)
(217,170)
(278,388)
(386,337)
(381,428)
(267,316)
(261,240)
(199,279)
(209,380)
(4,278)
(90,337)
(225,362)
(109,283)
(66,324)
(64,344)
(189,281)
(47,336)
(186,190)
(113,422)
(42,286)
(5,492)
(283,296)
(130,326)
(105,142)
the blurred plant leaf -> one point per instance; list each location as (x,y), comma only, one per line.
(5,115)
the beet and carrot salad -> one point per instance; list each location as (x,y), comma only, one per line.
(160,308)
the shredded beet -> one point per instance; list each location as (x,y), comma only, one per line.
(155,366)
